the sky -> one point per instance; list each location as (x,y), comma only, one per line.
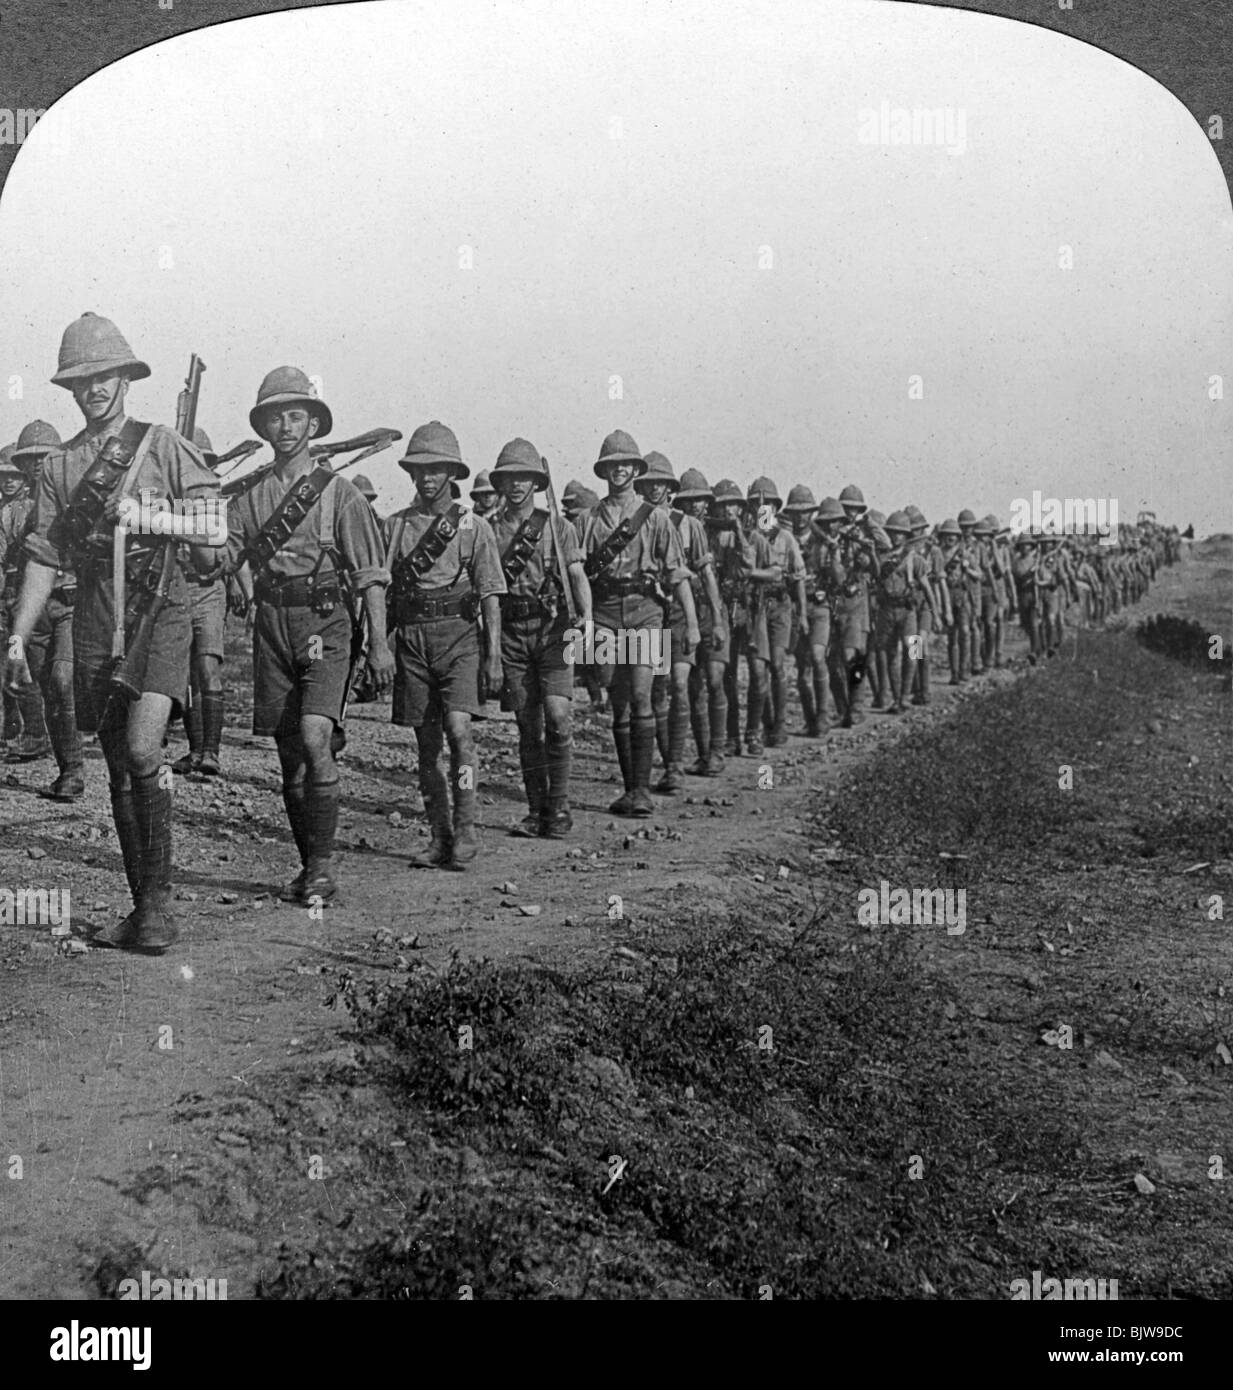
(553,220)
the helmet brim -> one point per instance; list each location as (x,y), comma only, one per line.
(319,409)
(130,366)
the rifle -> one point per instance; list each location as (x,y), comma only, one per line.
(186,405)
(238,454)
(369,443)
(558,546)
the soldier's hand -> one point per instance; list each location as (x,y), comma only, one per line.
(693,638)
(17,674)
(494,674)
(381,666)
(720,629)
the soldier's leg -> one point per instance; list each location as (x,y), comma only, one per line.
(150,782)
(321,799)
(802,656)
(293,763)
(192,715)
(559,738)
(619,696)
(836,669)
(698,722)
(213,711)
(51,664)
(113,742)
(920,667)
(464,776)
(717,714)
(661,706)
(757,697)
(673,779)
(641,739)
(533,758)
(430,743)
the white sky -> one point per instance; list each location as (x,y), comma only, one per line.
(311,176)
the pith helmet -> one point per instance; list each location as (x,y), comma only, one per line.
(852,496)
(482,486)
(800,499)
(619,447)
(582,496)
(6,461)
(37,438)
(659,470)
(1025,538)
(992,521)
(522,459)
(916,517)
(694,487)
(983,528)
(950,527)
(831,510)
(202,440)
(876,518)
(92,345)
(898,523)
(434,443)
(363,485)
(967,517)
(725,490)
(288,386)
(763,490)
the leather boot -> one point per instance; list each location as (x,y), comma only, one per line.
(466,846)
(642,755)
(153,923)
(717,711)
(192,727)
(437,809)
(621,736)
(557,821)
(778,708)
(213,709)
(295,800)
(809,707)
(663,736)
(678,727)
(698,722)
(321,814)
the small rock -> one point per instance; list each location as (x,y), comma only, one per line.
(35,853)
(1144,1184)
(759,878)
(227,898)
(530,909)
(98,907)
(508,888)
(185,895)
(1107,1059)
(394,818)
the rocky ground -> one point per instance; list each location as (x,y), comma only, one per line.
(295,1104)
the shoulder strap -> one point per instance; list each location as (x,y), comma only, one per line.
(600,559)
(301,498)
(522,546)
(395,540)
(327,518)
(408,571)
(139,453)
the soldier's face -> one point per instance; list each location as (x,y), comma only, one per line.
(800,522)
(11,485)
(620,476)
(288,428)
(655,493)
(695,507)
(516,490)
(101,397)
(732,511)
(852,511)
(432,480)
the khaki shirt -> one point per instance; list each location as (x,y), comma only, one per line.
(779,547)
(357,546)
(543,561)
(472,551)
(654,553)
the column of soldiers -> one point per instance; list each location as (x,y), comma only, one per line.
(447,606)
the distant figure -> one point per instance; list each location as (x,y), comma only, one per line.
(1188,533)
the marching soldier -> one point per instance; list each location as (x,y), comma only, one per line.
(734,566)
(311,545)
(204,711)
(576,501)
(972,557)
(534,623)
(1006,600)
(633,555)
(363,485)
(961,571)
(484,499)
(24,724)
(446,577)
(1025,571)
(50,649)
(903,575)
(1056,584)
(82,490)
(930,617)
(670,698)
(778,579)
(814,628)
(853,562)
(708,696)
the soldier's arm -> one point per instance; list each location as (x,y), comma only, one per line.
(190,479)
(576,572)
(488,580)
(364,555)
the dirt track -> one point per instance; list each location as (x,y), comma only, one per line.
(94,1089)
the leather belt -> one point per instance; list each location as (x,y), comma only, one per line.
(300,592)
(623,588)
(432,610)
(515,608)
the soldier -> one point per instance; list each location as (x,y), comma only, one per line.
(734,548)
(484,497)
(539,677)
(875,664)
(812,633)
(50,648)
(24,724)
(312,548)
(708,696)
(670,698)
(363,485)
(1055,584)
(930,617)
(778,579)
(82,490)
(972,558)
(992,601)
(1025,571)
(961,572)
(853,562)
(446,570)
(204,711)
(633,555)
(902,578)
(576,501)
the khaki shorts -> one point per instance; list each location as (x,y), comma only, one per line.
(436,671)
(300,663)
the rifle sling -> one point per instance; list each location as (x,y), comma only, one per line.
(599,560)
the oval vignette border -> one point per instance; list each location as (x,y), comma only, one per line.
(48,46)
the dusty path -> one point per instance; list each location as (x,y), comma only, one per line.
(119,1073)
